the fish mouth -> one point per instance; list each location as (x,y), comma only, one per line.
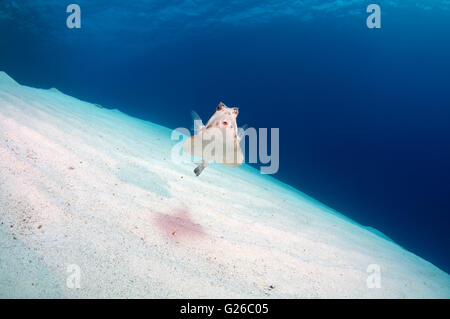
(225,123)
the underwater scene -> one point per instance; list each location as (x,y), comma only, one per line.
(249,149)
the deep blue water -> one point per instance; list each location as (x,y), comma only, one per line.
(363,114)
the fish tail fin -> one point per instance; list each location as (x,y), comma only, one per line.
(199,169)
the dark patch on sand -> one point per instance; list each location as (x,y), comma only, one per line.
(178,226)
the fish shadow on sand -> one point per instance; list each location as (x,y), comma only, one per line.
(132,173)
(179,226)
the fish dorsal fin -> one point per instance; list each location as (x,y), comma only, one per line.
(198,123)
(241,131)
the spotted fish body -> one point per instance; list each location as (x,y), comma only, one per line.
(216,141)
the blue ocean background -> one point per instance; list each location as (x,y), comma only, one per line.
(363,113)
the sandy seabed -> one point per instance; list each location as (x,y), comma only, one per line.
(92,187)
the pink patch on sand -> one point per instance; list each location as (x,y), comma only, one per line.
(179,226)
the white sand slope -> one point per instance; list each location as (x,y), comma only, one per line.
(96,188)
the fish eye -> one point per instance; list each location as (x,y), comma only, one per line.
(220,106)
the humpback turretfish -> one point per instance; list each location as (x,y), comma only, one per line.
(217,141)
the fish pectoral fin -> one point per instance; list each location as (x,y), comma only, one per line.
(241,131)
(198,123)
